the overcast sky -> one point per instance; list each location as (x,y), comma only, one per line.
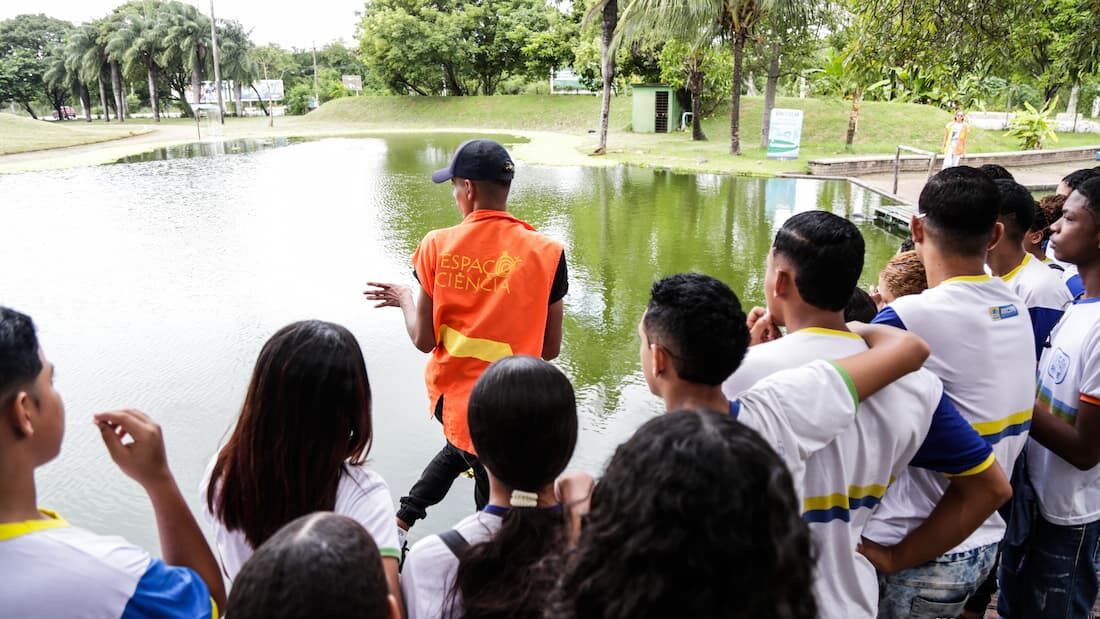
(290,24)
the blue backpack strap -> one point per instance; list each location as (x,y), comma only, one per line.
(454,542)
(735,408)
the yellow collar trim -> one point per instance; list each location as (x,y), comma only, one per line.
(12,530)
(824,331)
(1014,272)
(975,279)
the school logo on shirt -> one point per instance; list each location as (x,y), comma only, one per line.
(1059,366)
(1003,312)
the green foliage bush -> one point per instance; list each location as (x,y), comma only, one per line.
(1033,127)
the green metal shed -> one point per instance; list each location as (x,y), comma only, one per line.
(656,109)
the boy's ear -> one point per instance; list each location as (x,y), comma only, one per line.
(17,414)
(660,359)
(1034,238)
(916,229)
(784,280)
(998,234)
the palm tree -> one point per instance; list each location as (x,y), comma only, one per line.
(87,59)
(734,20)
(106,28)
(60,81)
(137,41)
(609,21)
(186,32)
(236,58)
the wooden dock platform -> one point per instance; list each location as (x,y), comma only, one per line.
(895,217)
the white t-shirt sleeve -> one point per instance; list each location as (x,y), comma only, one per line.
(800,410)
(1090,368)
(366,499)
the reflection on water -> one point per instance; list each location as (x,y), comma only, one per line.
(156,282)
(207,149)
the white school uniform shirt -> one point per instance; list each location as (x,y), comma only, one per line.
(429,571)
(53,570)
(799,411)
(982,349)
(1069,374)
(909,421)
(361,495)
(1044,293)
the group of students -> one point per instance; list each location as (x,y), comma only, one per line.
(808,466)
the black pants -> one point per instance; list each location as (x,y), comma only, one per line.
(436,480)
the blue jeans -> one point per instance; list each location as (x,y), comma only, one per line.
(938,588)
(1050,573)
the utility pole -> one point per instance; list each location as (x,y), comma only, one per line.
(217,66)
(316,92)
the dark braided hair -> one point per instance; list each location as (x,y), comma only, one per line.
(696,516)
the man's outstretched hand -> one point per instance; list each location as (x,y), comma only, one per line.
(389,295)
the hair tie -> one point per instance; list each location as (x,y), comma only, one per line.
(524,499)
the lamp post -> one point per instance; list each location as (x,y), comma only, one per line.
(217,66)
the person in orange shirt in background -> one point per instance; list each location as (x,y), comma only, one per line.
(490,287)
(954,140)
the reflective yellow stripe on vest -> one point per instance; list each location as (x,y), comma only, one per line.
(459,345)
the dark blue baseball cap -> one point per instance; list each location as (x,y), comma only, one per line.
(478,160)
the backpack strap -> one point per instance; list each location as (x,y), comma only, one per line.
(454,542)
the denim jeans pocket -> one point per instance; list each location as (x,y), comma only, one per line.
(932,609)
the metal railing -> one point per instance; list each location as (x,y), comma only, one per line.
(897,162)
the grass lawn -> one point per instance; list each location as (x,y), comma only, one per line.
(882,127)
(19,135)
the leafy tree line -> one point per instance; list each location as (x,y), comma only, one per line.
(148,53)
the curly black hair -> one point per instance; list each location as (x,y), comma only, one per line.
(696,516)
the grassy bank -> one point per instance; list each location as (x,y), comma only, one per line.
(20,135)
(882,127)
(561,130)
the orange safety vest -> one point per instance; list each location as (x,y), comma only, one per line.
(489,278)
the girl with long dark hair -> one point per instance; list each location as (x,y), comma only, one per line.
(696,516)
(503,561)
(299,447)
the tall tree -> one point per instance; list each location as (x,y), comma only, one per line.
(36,37)
(236,60)
(418,46)
(85,56)
(61,81)
(114,56)
(788,24)
(186,32)
(734,20)
(138,41)
(608,11)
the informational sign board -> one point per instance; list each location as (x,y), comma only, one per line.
(784,134)
(270,90)
(352,82)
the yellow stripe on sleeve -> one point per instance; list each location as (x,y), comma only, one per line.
(974,470)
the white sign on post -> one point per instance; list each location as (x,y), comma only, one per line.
(784,134)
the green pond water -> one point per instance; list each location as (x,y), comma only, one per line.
(155,282)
